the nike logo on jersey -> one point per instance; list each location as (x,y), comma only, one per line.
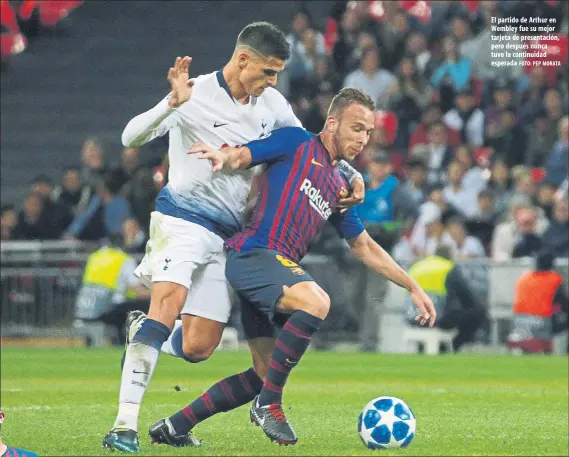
(218,124)
(318,164)
(263,125)
(139,372)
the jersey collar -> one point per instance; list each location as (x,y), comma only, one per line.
(223,83)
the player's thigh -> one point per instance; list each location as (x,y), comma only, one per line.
(175,249)
(261,276)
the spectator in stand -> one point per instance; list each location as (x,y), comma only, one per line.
(463,246)
(133,236)
(411,83)
(73,193)
(482,221)
(303,62)
(556,237)
(55,216)
(546,197)
(129,166)
(500,185)
(522,224)
(416,47)
(416,184)
(505,136)
(8,221)
(432,114)
(473,180)
(388,207)
(467,118)
(558,163)
(93,161)
(428,231)
(502,99)
(407,97)
(392,33)
(453,76)
(556,109)
(30,225)
(438,154)
(540,308)
(532,97)
(456,194)
(322,76)
(345,53)
(301,22)
(524,184)
(141,192)
(316,116)
(370,78)
(538,144)
(107,204)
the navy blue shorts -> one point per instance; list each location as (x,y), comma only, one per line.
(258,277)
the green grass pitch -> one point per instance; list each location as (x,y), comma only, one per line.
(63,401)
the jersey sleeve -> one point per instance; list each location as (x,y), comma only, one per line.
(277,145)
(348,224)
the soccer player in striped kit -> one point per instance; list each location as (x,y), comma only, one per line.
(280,302)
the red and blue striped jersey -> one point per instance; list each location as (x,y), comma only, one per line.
(15,452)
(300,192)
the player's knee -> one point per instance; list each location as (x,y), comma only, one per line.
(318,305)
(196,353)
(167,302)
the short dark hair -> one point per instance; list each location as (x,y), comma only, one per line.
(72,168)
(346,97)
(444,251)
(265,38)
(7,207)
(42,179)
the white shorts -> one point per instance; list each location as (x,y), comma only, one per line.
(188,254)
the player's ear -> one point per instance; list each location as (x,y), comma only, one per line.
(242,59)
(332,124)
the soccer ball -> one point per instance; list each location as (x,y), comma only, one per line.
(386,422)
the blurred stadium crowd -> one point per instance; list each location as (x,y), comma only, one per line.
(464,153)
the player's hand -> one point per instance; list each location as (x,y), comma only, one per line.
(425,306)
(180,82)
(215,156)
(357,196)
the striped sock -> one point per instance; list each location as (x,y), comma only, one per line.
(227,394)
(291,344)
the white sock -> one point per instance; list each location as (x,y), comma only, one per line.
(167,346)
(139,365)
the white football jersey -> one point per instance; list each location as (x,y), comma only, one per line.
(212,116)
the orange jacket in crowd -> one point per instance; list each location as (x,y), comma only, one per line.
(536,292)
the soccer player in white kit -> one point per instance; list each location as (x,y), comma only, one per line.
(185,262)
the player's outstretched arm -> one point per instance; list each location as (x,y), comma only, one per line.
(226,158)
(375,257)
(158,120)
